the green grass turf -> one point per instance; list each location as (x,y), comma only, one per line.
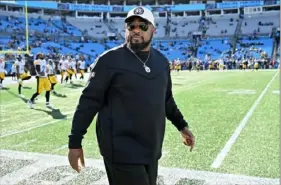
(258,145)
(205,100)
(14,108)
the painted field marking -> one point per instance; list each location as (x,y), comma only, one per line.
(18,102)
(24,143)
(223,153)
(38,126)
(46,162)
(60,148)
(276,92)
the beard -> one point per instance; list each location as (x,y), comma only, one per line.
(140,45)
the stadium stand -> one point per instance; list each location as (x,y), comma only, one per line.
(223,25)
(261,23)
(178,37)
(261,43)
(182,26)
(215,48)
(94,27)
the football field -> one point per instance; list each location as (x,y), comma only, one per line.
(234,116)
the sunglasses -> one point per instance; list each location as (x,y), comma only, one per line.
(142,25)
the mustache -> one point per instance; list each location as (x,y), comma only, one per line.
(136,35)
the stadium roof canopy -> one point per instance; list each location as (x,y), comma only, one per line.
(129,2)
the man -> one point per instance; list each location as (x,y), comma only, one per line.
(130,88)
(81,66)
(13,71)
(256,64)
(42,81)
(2,71)
(221,64)
(71,68)
(178,65)
(52,75)
(21,73)
(62,65)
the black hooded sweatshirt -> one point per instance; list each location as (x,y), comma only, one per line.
(132,106)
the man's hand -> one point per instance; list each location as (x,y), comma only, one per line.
(76,159)
(188,138)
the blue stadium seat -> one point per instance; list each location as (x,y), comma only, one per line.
(213,47)
(267,45)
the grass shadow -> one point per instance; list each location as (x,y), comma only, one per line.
(5,88)
(75,86)
(179,84)
(55,113)
(17,96)
(59,95)
(27,87)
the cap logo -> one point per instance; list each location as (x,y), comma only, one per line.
(139,11)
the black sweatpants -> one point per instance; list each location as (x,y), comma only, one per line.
(128,174)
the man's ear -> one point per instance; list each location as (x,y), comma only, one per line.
(154,31)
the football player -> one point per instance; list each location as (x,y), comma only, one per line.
(82,67)
(62,65)
(43,82)
(2,71)
(21,73)
(71,67)
(256,64)
(52,75)
(13,71)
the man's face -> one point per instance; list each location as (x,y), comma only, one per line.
(139,33)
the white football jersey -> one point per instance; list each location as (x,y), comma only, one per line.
(82,64)
(2,67)
(21,65)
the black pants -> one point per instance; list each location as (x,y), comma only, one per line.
(127,174)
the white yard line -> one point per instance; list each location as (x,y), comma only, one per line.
(60,148)
(41,98)
(276,92)
(24,143)
(21,106)
(38,126)
(223,153)
(11,104)
(170,175)
(30,122)
(19,124)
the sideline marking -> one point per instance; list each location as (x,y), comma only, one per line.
(38,126)
(220,157)
(24,143)
(170,175)
(60,148)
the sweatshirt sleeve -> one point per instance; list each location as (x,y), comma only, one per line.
(172,112)
(90,102)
